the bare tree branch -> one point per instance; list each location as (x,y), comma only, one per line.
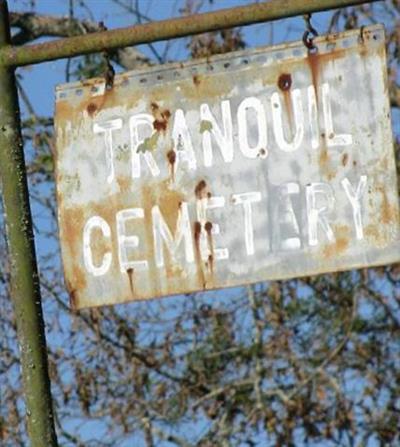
(33,26)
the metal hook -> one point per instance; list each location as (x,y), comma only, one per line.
(361,37)
(109,72)
(309,34)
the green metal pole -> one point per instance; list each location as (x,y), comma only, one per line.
(167,29)
(25,289)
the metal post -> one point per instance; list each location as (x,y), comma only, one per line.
(21,251)
(167,29)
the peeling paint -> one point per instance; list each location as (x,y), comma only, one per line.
(205,126)
(149,144)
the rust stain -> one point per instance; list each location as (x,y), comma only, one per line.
(72,293)
(385,164)
(171,157)
(130,273)
(200,190)
(204,87)
(211,263)
(316,61)
(161,117)
(196,80)
(362,41)
(72,221)
(345,159)
(91,109)
(372,231)
(388,212)
(327,168)
(289,112)
(342,234)
(114,98)
(169,201)
(197,231)
(285,82)
(323,156)
(73,301)
(313,60)
(331,174)
(92,104)
(275,76)
(124,183)
(208,227)
(97,103)
(262,152)
(200,273)
(376,234)
(65,111)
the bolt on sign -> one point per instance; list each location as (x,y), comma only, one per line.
(264,164)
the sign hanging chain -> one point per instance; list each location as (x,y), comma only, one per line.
(109,71)
(309,34)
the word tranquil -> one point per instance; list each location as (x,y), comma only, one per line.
(250,113)
(188,240)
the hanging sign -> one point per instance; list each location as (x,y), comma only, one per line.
(271,163)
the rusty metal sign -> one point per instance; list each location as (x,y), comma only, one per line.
(264,164)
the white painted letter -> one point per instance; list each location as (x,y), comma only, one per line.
(316,213)
(288,218)
(331,138)
(244,106)
(355,200)
(313,114)
(125,242)
(278,122)
(162,233)
(142,119)
(99,222)
(224,140)
(246,199)
(107,127)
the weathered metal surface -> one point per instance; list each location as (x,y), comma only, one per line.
(167,29)
(264,164)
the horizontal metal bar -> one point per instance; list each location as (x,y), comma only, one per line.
(166,29)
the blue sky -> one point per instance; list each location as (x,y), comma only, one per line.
(40,81)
